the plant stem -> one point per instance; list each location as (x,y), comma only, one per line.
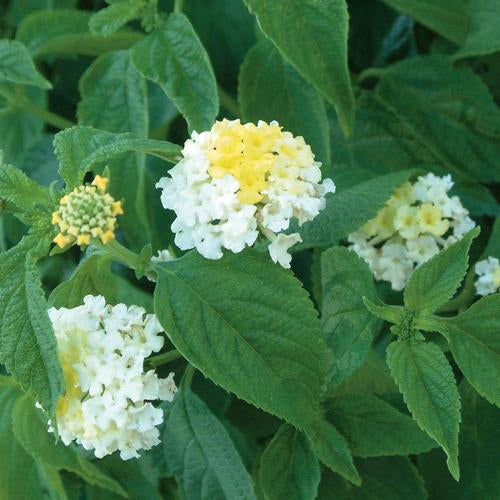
(178,5)
(164,358)
(22,102)
(121,254)
(189,374)
(228,102)
(464,298)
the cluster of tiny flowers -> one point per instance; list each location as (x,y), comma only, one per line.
(415,224)
(107,405)
(488,272)
(87,213)
(238,180)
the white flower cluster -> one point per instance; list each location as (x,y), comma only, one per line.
(106,407)
(237,180)
(488,272)
(415,224)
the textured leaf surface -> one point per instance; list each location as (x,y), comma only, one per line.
(426,380)
(16,65)
(348,210)
(288,467)
(374,428)
(27,343)
(390,478)
(474,338)
(79,149)
(435,281)
(173,57)
(200,452)
(248,325)
(65,32)
(312,35)
(348,326)
(270,89)
(107,21)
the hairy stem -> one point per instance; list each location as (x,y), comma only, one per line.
(164,358)
(228,102)
(178,5)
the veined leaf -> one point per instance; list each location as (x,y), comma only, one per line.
(249,326)
(16,65)
(270,89)
(348,326)
(173,57)
(434,282)
(110,19)
(28,346)
(374,428)
(474,339)
(426,380)
(288,467)
(79,149)
(312,35)
(65,32)
(30,429)
(349,210)
(200,452)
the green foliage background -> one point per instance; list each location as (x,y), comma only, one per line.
(316,383)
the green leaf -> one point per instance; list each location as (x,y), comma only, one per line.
(288,467)
(173,57)
(79,149)
(270,89)
(200,452)
(107,21)
(446,17)
(434,282)
(249,326)
(479,465)
(393,314)
(449,110)
(65,32)
(493,247)
(390,478)
(374,428)
(349,209)
(426,380)
(332,449)
(16,65)
(312,36)
(18,472)
(28,346)
(475,344)
(349,328)
(30,429)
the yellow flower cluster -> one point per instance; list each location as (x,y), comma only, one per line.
(88,212)
(249,152)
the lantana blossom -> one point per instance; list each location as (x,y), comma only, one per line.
(488,276)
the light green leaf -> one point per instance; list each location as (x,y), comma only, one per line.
(393,314)
(390,478)
(65,32)
(374,428)
(449,110)
(446,17)
(30,429)
(107,21)
(270,89)
(249,326)
(173,57)
(348,327)
(474,339)
(27,343)
(200,452)
(349,209)
(16,66)
(18,471)
(79,149)
(332,449)
(288,467)
(426,380)
(312,36)
(434,282)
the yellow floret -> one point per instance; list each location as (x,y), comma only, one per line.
(431,221)
(496,276)
(100,182)
(61,240)
(107,236)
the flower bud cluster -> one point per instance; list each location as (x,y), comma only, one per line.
(488,273)
(417,222)
(87,213)
(107,405)
(238,180)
